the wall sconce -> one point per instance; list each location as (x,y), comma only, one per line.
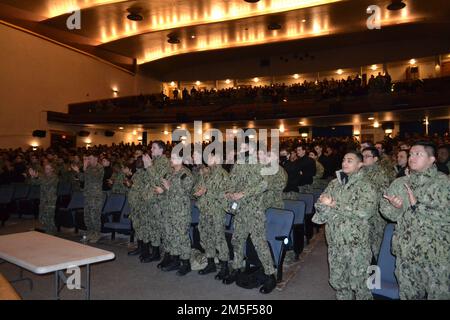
(115,92)
(304,135)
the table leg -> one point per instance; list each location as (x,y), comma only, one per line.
(88,282)
(57,285)
(21,278)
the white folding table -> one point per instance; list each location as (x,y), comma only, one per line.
(41,254)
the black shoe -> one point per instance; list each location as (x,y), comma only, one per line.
(185,268)
(145,255)
(269,284)
(211,267)
(174,264)
(224,271)
(155,256)
(138,250)
(232,277)
(165,261)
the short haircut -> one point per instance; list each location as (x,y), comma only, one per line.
(160,144)
(357,154)
(369,143)
(303,146)
(374,151)
(405,151)
(429,147)
(313,151)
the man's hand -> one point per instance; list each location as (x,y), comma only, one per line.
(327,200)
(237,196)
(411,196)
(75,168)
(200,192)
(147,161)
(32,173)
(158,190)
(166,184)
(395,201)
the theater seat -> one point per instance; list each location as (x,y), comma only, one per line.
(386,262)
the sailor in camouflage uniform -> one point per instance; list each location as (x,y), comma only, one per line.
(93,195)
(177,190)
(211,202)
(48,182)
(245,192)
(139,208)
(346,207)
(420,204)
(378,176)
(273,196)
(158,167)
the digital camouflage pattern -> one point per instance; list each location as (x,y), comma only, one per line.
(273,196)
(212,213)
(118,185)
(377,175)
(159,169)
(421,240)
(93,197)
(139,206)
(47,200)
(250,214)
(347,233)
(177,213)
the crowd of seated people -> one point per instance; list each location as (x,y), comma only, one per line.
(246,94)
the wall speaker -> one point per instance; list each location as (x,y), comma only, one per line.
(109,133)
(39,133)
(84,133)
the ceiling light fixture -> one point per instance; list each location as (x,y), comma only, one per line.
(396,5)
(134,14)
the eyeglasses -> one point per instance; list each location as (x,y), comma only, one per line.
(417,154)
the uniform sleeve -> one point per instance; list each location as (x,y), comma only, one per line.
(389,211)
(323,212)
(256,183)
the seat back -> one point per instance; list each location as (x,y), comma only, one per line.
(386,261)
(64,189)
(195,212)
(76,201)
(279,224)
(6,194)
(316,194)
(21,191)
(114,203)
(308,198)
(35,192)
(298,207)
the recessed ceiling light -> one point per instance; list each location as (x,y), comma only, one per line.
(303,20)
(193,36)
(371,118)
(274,26)
(120,128)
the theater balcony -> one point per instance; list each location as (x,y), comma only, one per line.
(292,103)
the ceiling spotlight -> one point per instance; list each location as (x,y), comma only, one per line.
(396,5)
(134,14)
(303,20)
(274,26)
(193,36)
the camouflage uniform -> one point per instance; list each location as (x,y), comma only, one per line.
(155,173)
(421,239)
(250,214)
(93,197)
(212,218)
(137,196)
(118,186)
(177,214)
(347,234)
(318,182)
(273,196)
(47,200)
(377,175)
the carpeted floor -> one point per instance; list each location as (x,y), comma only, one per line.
(127,278)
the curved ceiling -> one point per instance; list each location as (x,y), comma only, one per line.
(204,25)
